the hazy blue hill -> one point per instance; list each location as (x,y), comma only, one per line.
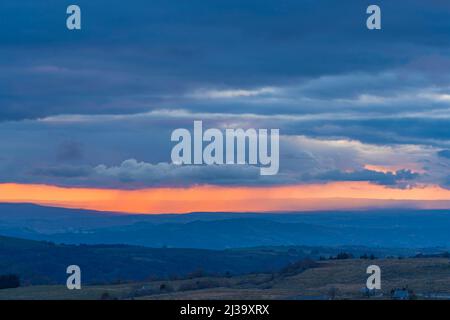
(42,263)
(45,263)
(374,228)
(51,219)
(258,232)
(219,234)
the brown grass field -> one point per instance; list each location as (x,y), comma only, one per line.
(339,279)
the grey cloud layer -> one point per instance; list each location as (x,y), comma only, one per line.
(134,151)
(97,107)
(132,57)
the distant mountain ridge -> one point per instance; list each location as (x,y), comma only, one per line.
(38,262)
(374,228)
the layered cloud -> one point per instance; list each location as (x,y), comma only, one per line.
(165,54)
(302,160)
(96,108)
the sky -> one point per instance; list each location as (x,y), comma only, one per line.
(363,114)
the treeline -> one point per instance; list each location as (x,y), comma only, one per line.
(346,255)
(9,281)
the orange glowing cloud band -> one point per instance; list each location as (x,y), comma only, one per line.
(337,195)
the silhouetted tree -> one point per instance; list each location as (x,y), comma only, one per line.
(164,287)
(344,256)
(9,281)
(106,296)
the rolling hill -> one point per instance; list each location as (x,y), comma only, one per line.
(38,262)
(372,228)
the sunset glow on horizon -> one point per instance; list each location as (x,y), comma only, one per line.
(208,198)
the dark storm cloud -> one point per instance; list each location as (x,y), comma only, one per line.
(62,171)
(133,174)
(434,132)
(390,179)
(134,151)
(87,104)
(140,55)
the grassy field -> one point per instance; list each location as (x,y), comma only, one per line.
(341,279)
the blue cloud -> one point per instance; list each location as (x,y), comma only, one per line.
(399,178)
(310,68)
(131,57)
